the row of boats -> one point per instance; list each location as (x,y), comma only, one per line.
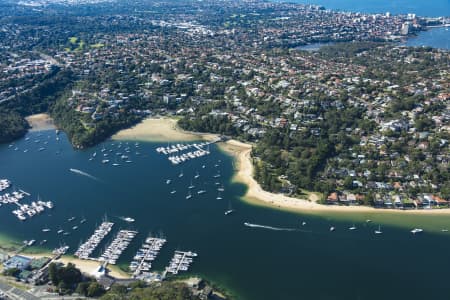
(183,157)
(24,211)
(182,147)
(142,261)
(181,261)
(29,210)
(13,197)
(118,245)
(4,184)
(177,159)
(85,249)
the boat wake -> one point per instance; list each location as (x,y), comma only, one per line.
(79,172)
(269,227)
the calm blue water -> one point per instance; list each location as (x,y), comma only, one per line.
(433,8)
(308,262)
(436,38)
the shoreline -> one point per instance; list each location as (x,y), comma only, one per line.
(88,267)
(149,129)
(11,246)
(160,129)
(256,195)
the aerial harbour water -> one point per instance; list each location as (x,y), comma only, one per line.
(435,8)
(255,252)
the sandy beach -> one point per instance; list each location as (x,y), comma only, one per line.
(166,129)
(40,122)
(88,267)
(256,195)
(162,129)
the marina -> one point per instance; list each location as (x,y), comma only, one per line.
(61,250)
(183,157)
(181,261)
(118,245)
(85,250)
(26,211)
(229,252)
(142,261)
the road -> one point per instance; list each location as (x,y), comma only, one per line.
(15,293)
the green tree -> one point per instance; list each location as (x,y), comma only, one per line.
(95,289)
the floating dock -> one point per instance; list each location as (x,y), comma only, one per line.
(89,246)
(141,263)
(181,261)
(118,245)
(197,151)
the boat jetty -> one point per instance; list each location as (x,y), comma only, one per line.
(60,251)
(24,211)
(176,155)
(29,210)
(181,261)
(118,245)
(88,247)
(141,263)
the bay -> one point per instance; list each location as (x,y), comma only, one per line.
(435,8)
(277,259)
(435,37)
